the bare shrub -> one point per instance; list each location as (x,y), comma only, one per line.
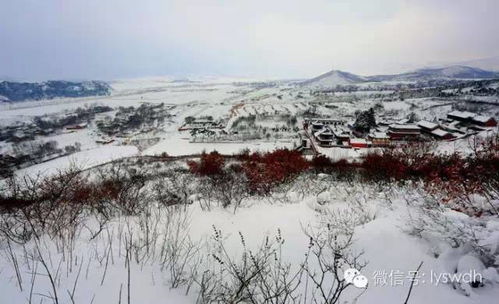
(174,187)
(263,276)
(179,255)
(330,253)
(431,221)
(257,276)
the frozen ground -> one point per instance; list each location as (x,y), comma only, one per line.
(179,145)
(338,153)
(93,268)
(81,160)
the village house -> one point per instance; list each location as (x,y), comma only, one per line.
(317,126)
(104,141)
(404,132)
(201,124)
(454,127)
(43,132)
(325,137)
(341,136)
(435,130)
(379,139)
(359,143)
(325,121)
(462,116)
(77,126)
(463,122)
(442,134)
(427,126)
(484,121)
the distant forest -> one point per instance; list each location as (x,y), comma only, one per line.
(22,91)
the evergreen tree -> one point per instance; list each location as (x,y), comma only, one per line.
(365,121)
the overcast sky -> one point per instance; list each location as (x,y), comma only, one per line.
(106,39)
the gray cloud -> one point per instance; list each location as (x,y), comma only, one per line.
(124,38)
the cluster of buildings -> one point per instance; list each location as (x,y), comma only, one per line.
(22,132)
(47,125)
(144,118)
(336,133)
(75,127)
(468,119)
(328,132)
(198,124)
(456,124)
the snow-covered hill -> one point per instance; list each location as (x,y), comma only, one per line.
(450,72)
(332,79)
(490,63)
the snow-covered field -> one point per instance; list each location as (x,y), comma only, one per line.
(80,160)
(178,146)
(221,99)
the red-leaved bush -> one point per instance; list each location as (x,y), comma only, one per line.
(453,177)
(210,164)
(321,163)
(384,167)
(264,171)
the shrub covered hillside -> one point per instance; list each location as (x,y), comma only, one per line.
(255,228)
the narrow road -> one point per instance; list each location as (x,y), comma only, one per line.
(311,139)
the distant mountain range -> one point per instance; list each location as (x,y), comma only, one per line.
(335,77)
(489,63)
(22,91)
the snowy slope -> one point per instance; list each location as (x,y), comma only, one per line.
(490,63)
(380,236)
(332,79)
(450,72)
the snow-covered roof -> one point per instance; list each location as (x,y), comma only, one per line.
(202,121)
(341,133)
(427,125)
(380,135)
(405,127)
(325,131)
(439,132)
(482,118)
(322,120)
(462,114)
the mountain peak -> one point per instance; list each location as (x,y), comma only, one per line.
(334,78)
